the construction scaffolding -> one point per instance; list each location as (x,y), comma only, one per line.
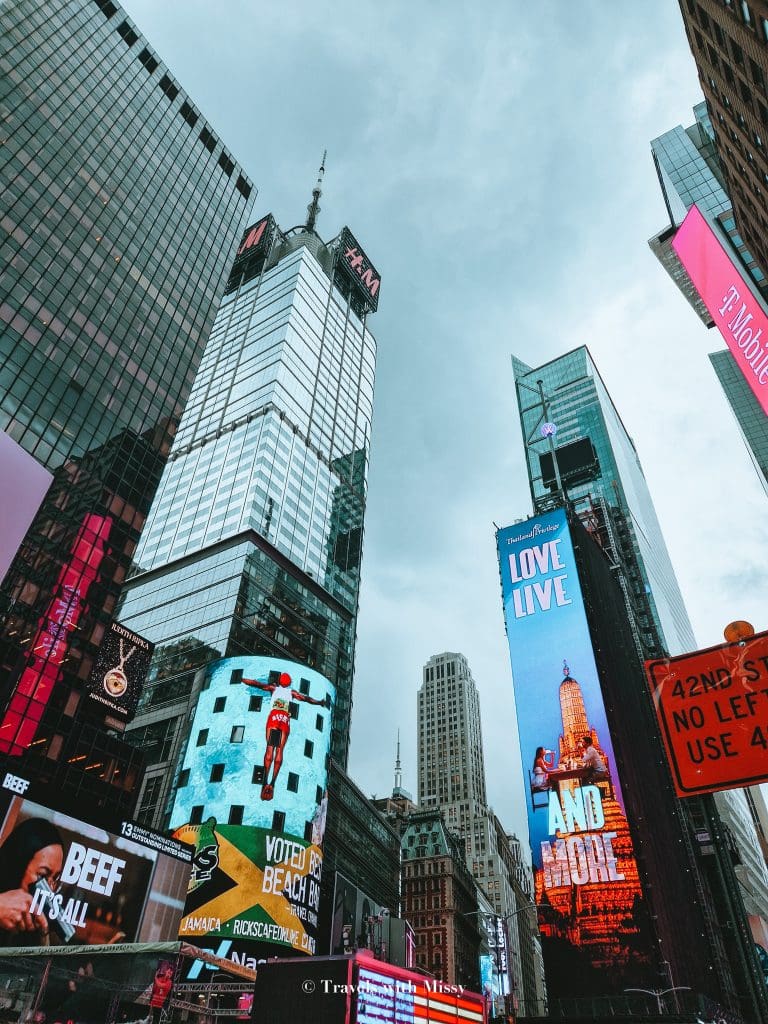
(116,984)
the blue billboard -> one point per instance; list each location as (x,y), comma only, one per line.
(586,878)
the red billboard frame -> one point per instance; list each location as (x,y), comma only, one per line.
(712,707)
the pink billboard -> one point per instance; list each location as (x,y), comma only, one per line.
(23,485)
(737,312)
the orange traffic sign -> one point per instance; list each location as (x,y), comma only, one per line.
(712,707)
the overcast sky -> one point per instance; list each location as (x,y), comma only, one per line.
(493,159)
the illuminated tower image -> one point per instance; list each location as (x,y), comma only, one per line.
(575,723)
(591,889)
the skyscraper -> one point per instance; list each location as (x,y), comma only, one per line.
(120,209)
(751,419)
(689,172)
(253,543)
(729,42)
(578,446)
(451,780)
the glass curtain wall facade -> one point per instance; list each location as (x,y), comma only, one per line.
(745,407)
(608,489)
(689,172)
(120,210)
(253,543)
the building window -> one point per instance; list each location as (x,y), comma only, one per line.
(236,814)
(293,782)
(236,736)
(746,13)
(236,677)
(258,775)
(196,814)
(217,772)
(202,737)
(183,778)
(319,723)
(309,748)
(254,704)
(278,821)
(219,704)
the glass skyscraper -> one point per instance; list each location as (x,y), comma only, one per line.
(601,475)
(689,172)
(120,211)
(746,408)
(254,540)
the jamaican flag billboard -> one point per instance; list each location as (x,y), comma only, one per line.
(252,884)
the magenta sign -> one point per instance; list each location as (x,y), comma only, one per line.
(737,312)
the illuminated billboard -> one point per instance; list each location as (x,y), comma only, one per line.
(119,673)
(251,796)
(19,503)
(712,706)
(738,313)
(586,876)
(49,644)
(68,881)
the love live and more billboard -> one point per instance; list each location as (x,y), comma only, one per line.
(583,859)
(737,311)
(259,742)
(712,707)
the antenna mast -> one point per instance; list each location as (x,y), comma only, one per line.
(398,771)
(314,207)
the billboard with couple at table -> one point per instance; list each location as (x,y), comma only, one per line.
(586,878)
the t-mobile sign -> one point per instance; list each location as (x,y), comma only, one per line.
(736,310)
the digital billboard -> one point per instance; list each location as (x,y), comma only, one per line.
(23,485)
(49,644)
(118,676)
(712,706)
(586,877)
(64,880)
(252,797)
(724,289)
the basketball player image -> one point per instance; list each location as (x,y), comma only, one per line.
(278,727)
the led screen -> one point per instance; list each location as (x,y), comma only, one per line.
(119,673)
(66,881)
(251,796)
(23,485)
(737,312)
(586,877)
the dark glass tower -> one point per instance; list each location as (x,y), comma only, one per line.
(120,210)
(253,543)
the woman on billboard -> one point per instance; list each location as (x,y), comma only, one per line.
(31,857)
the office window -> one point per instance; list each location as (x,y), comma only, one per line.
(309,748)
(236,814)
(217,772)
(254,704)
(202,737)
(236,736)
(219,704)
(293,782)
(196,814)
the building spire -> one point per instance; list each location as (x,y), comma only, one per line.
(398,771)
(314,207)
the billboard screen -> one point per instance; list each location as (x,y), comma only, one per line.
(585,872)
(252,798)
(712,706)
(737,312)
(64,880)
(19,504)
(119,673)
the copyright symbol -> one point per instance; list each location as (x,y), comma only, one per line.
(308,986)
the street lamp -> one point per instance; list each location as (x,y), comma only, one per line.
(659,992)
